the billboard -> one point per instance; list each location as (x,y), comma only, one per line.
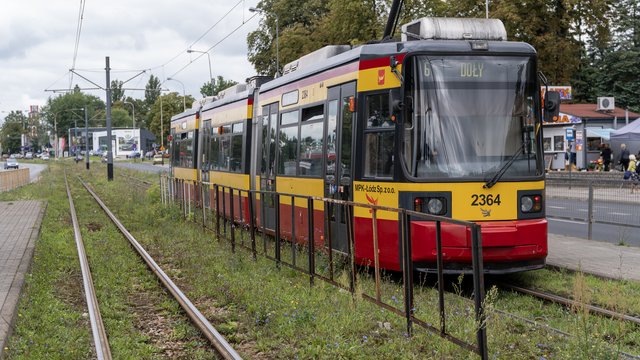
(565,91)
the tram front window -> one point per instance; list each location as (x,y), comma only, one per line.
(471,116)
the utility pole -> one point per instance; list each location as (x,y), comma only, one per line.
(109,145)
(86,136)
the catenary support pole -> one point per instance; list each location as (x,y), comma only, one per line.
(109,145)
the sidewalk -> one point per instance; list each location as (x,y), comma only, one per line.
(19,228)
(594,257)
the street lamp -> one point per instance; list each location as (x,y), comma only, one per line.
(253,9)
(210,73)
(184,101)
(133,112)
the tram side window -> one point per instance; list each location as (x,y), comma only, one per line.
(379,138)
(235,158)
(183,150)
(311,131)
(214,162)
(288,141)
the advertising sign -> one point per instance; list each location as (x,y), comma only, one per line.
(565,91)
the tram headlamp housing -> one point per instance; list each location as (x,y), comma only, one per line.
(436,206)
(531,203)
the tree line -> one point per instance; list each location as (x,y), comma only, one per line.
(592,45)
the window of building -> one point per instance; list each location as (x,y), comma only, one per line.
(558,143)
(546,144)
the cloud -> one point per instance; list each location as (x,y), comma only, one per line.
(37,42)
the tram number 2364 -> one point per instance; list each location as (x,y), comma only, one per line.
(485,200)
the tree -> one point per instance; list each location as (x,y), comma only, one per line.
(218,85)
(152,90)
(301,15)
(171,105)
(65,110)
(12,130)
(119,116)
(117,94)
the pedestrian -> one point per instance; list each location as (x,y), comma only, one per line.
(624,157)
(633,173)
(574,158)
(606,156)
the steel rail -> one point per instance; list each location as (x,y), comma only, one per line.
(568,302)
(216,339)
(100,339)
(145,182)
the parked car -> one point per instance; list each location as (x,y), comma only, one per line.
(11,163)
(134,155)
(28,156)
(158,159)
(44,156)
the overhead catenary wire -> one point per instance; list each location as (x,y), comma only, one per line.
(77,41)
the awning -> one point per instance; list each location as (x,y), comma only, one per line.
(599,132)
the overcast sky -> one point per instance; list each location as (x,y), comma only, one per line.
(37,42)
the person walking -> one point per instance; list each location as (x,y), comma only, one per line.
(606,156)
(624,157)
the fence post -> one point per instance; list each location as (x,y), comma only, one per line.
(311,243)
(590,212)
(478,290)
(252,224)
(443,324)
(216,189)
(277,228)
(376,255)
(407,269)
(352,245)
(224,210)
(204,205)
(233,220)
(293,230)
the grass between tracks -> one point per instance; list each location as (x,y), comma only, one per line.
(267,312)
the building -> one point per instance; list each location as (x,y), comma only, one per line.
(590,128)
(125,140)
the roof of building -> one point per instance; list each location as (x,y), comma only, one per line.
(589,111)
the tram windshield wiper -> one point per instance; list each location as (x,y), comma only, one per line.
(489,184)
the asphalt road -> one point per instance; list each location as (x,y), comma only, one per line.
(146,166)
(34,169)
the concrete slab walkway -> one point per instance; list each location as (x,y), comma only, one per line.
(19,228)
(594,257)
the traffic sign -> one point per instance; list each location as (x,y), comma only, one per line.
(569,134)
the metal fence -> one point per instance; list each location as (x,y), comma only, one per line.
(240,216)
(604,200)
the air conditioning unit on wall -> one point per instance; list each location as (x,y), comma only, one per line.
(606,103)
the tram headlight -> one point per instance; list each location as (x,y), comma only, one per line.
(435,206)
(531,203)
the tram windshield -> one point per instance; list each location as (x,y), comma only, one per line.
(472,117)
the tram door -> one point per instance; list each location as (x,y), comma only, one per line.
(268,165)
(205,160)
(338,178)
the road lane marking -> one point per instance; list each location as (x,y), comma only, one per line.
(567,221)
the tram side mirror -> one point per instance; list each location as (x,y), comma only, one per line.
(551,106)
(396,105)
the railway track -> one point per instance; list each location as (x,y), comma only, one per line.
(571,303)
(100,340)
(223,348)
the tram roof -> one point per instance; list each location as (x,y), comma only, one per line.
(373,51)
(184,114)
(229,99)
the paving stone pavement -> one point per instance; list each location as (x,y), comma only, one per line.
(20,223)
(595,257)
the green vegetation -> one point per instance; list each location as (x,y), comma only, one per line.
(266,312)
(592,45)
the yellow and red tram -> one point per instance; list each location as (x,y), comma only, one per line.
(449,127)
